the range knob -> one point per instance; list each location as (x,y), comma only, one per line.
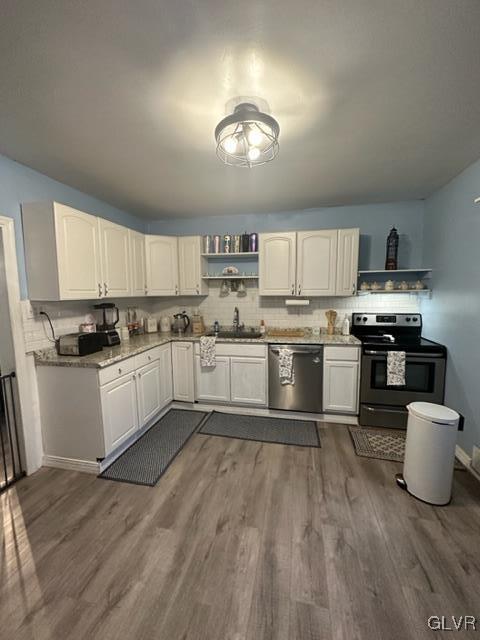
(359,318)
(408,319)
(364,318)
(415,319)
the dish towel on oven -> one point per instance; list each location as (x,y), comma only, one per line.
(285,366)
(207,351)
(395,368)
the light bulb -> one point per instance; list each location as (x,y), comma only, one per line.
(253,153)
(254,137)
(230,145)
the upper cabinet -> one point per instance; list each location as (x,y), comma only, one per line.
(138,274)
(115,251)
(316,262)
(277,264)
(162,265)
(347,261)
(308,263)
(62,253)
(191,266)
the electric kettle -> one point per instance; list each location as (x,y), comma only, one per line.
(180,322)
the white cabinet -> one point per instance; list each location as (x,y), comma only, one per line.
(62,252)
(316,262)
(119,410)
(213,383)
(347,261)
(138,277)
(148,392)
(115,252)
(161,254)
(191,266)
(166,380)
(277,264)
(248,380)
(341,379)
(182,366)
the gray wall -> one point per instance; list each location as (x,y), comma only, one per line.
(20,184)
(374,221)
(452,316)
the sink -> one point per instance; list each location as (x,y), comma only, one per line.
(241,333)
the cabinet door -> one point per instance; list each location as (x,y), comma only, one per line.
(213,383)
(190,266)
(347,261)
(148,392)
(119,410)
(277,264)
(162,265)
(340,386)
(115,251)
(138,277)
(182,366)
(166,380)
(316,262)
(248,380)
(78,254)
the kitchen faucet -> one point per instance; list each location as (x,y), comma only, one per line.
(236,319)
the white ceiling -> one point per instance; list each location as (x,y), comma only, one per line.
(377,100)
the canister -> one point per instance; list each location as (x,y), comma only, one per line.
(253,242)
(227,243)
(237,244)
(245,242)
(216,244)
(207,244)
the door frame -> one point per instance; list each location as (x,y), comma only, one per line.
(29,409)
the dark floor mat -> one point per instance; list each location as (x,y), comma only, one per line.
(301,433)
(149,457)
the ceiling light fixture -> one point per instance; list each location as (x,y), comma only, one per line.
(248,137)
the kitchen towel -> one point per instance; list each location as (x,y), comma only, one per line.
(285,366)
(207,351)
(395,368)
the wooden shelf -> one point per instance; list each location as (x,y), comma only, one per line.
(390,272)
(230,277)
(242,255)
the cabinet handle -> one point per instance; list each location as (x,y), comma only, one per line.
(99,290)
(354,289)
(105,288)
(139,375)
(149,357)
(293,289)
(176,289)
(299,289)
(198,289)
(119,371)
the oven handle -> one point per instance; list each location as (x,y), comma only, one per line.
(434,354)
(384,409)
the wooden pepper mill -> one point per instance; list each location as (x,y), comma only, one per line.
(331,316)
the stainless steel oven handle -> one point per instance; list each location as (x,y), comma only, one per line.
(434,354)
(384,409)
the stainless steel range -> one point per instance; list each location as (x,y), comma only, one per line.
(382,405)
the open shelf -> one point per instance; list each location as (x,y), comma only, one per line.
(383,291)
(392,272)
(230,277)
(232,256)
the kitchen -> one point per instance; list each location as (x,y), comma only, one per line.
(239,348)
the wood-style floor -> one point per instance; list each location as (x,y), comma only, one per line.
(239,540)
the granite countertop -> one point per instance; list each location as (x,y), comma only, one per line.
(139,344)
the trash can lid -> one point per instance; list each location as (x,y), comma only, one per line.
(435,412)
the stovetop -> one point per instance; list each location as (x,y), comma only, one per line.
(400,343)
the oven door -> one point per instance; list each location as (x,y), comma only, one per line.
(424,379)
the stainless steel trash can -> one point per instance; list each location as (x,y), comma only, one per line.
(430,452)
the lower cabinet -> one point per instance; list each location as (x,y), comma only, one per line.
(119,410)
(182,367)
(341,379)
(235,378)
(248,380)
(213,383)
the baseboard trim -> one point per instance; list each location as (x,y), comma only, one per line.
(466,460)
(263,411)
(71,464)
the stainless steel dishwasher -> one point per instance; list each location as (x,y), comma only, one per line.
(306,394)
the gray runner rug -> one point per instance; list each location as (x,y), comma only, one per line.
(149,457)
(301,433)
